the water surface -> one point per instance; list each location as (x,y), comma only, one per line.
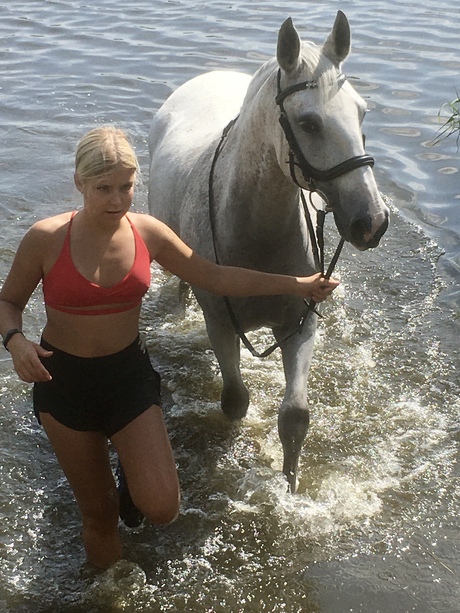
(375,524)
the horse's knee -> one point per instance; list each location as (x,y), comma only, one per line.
(293,424)
(234,401)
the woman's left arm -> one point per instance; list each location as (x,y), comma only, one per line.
(176,257)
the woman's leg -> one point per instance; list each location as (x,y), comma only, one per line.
(146,457)
(84,458)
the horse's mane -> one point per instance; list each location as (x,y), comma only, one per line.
(313,66)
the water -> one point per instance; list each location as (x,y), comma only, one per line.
(374,526)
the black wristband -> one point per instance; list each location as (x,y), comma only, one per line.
(9,334)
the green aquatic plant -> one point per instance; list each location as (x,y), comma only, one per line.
(452,124)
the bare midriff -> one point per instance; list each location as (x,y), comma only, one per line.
(91,335)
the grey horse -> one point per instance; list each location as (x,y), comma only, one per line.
(230,156)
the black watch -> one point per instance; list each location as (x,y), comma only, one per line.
(9,334)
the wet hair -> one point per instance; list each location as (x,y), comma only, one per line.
(100,150)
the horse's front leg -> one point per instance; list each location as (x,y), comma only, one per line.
(226,346)
(294,416)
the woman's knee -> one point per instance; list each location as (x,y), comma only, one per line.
(161,509)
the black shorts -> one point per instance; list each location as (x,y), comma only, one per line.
(102,394)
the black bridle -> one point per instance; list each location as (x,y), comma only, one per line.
(311,175)
(296,156)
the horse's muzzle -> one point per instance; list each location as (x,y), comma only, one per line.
(361,232)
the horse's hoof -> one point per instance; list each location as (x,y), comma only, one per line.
(235,403)
(129,513)
(292,481)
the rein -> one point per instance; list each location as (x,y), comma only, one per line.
(311,175)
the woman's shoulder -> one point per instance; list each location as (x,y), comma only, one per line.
(153,231)
(44,231)
(143,220)
(148,226)
(51,225)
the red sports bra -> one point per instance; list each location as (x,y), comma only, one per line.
(67,290)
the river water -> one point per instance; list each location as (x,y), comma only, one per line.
(374,526)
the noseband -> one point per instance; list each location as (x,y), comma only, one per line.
(296,156)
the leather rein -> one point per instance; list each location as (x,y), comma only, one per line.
(311,175)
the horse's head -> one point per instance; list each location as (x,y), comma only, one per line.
(321,115)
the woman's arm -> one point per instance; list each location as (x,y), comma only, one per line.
(176,257)
(23,278)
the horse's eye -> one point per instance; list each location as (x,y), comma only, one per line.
(311,124)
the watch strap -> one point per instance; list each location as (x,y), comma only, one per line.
(9,335)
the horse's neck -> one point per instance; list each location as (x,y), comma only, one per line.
(252,181)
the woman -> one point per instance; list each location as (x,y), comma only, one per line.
(93,378)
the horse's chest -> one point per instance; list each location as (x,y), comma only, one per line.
(266,311)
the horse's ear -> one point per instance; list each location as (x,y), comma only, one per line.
(288,50)
(337,46)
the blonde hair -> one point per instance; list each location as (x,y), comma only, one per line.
(101,150)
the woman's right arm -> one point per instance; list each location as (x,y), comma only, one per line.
(24,276)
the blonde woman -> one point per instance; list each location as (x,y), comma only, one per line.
(93,380)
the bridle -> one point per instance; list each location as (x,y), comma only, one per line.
(296,157)
(311,175)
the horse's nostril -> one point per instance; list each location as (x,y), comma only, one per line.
(361,235)
(359,228)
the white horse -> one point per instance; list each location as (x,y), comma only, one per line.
(232,190)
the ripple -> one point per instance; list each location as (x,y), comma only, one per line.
(405,94)
(448,170)
(395,111)
(402,131)
(432,157)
